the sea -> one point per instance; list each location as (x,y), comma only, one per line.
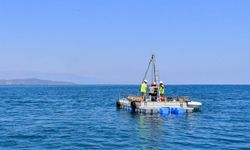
(85,117)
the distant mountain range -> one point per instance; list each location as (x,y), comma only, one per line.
(78,79)
(33,81)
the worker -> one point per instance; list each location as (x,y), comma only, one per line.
(144,89)
(153,92)
(162,91)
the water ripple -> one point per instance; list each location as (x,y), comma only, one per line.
(84,117)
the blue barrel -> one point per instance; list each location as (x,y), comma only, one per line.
(177,110)
(164,110)
(181,111)
(129,108)
(173,110)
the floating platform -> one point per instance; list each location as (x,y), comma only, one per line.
(171,105)
(162,105)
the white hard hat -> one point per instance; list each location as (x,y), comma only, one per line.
(161,82)
(145,81)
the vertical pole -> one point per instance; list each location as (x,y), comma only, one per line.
(156,76)
(153,56)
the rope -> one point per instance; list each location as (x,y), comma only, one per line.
(146,73)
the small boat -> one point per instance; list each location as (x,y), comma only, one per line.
(162,105)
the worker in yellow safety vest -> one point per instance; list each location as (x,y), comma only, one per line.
(144,89)
(162,91)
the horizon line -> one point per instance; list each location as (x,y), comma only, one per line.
(122,84)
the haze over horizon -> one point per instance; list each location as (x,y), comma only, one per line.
(195,42)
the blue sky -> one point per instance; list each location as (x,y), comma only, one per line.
(110,41)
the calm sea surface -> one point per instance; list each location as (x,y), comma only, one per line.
(85,117)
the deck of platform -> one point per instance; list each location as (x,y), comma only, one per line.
(153,107)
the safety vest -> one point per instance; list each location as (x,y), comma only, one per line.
(144,88)
(162,90)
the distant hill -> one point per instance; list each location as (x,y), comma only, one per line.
(33,81)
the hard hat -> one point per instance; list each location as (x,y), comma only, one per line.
(154,83)
(161,82)
(145,81)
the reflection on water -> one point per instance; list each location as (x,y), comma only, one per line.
(154,131)
(149,131)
